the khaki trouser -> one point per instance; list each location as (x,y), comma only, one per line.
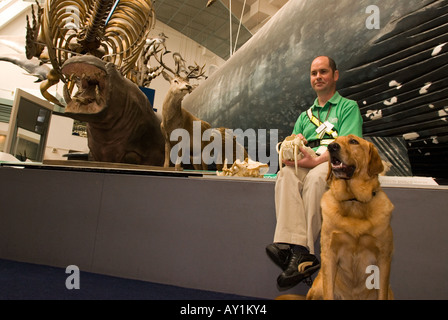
(297,205)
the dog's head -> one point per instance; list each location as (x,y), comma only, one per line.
(351,156)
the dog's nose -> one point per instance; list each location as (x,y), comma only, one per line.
(334,147)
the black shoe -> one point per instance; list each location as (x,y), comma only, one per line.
(300,266)
(280,254)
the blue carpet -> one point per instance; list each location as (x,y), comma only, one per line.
(26,281)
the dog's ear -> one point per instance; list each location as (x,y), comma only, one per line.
(375,165)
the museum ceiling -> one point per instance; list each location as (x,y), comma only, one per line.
(210,27)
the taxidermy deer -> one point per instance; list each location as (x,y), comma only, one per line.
(174,116)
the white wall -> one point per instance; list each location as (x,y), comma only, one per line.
(60,138)
(12,76)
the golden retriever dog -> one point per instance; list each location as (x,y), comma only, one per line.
(356,236)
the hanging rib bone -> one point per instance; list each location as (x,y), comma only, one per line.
(76,27)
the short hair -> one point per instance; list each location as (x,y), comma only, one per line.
(332,64)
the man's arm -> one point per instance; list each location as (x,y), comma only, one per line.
(350,120)
(308,161)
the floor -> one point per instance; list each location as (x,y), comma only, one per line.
(25,281)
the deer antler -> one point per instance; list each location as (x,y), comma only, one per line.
(196,71)
(163,64)
(193,72)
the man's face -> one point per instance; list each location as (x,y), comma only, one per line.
(322,77)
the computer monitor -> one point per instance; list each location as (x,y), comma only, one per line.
(28,126)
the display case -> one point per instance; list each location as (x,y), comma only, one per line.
(28,126)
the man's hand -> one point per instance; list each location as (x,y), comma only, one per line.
(305,142)
(308,161)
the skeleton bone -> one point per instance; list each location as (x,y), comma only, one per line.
(68,28)
(289,149)
(246,168)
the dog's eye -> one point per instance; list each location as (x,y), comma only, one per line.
(353,141)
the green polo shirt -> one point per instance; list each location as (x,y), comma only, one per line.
(344,115)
